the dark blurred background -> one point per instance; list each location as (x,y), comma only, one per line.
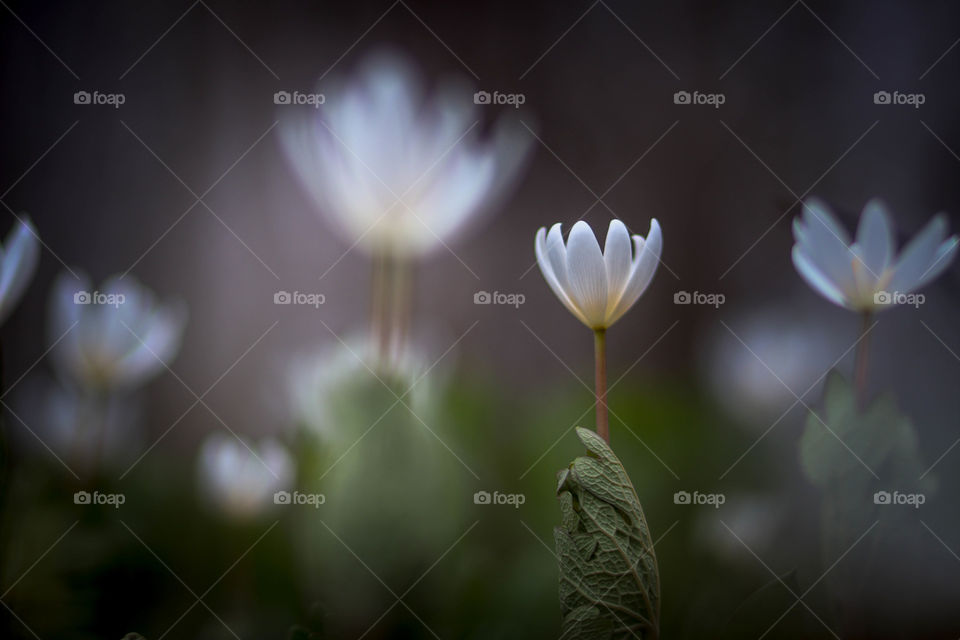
(109,190)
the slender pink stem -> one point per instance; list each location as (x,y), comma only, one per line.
(600,356)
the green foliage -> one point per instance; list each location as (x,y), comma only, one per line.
(880,436)
(851,454)
(609,584)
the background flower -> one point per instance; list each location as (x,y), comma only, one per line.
(396,169)
(866,275)
(117,337)
(240,479)
(18,261)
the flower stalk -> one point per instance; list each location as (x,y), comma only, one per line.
(600,357)
(861,358)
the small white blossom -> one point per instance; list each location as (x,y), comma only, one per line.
(598,287)
(114,337)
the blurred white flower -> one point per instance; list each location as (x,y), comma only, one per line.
(790,346)
(242,480)
(866,275)
(117,337)
(322,383)
(598,287)
(18,261)
(396,170)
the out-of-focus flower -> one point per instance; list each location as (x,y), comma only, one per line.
(87,430)
(242,480)
(117,337)
(789,348)
(759,521)
(322,385)
(397,171)
(598,287)
(18,261)
(866,275)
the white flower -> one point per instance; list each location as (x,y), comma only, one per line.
(866,275)
(18,261)
(116,337)
(598,287)
(394,169)
(242,480)
(322,386)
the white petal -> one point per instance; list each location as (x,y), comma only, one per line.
(923,258)
(817,280)
(551,257)
(20,255)
(587,275)
(875,238)
(618,260)
(826,245)
(646,260)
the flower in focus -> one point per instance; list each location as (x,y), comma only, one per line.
(18,260)
(400,172)
(117,337)
(242,480)
(866,275)
(598,287)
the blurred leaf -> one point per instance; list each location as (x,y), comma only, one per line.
(880,436)
(884,440)
(609,584)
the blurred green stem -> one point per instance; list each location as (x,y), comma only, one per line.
(390,306)
(378,302)
(861,359)
(600,357)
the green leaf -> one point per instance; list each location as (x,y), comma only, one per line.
(839,446)
(609,584)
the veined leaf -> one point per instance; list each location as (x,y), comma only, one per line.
(609,584)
